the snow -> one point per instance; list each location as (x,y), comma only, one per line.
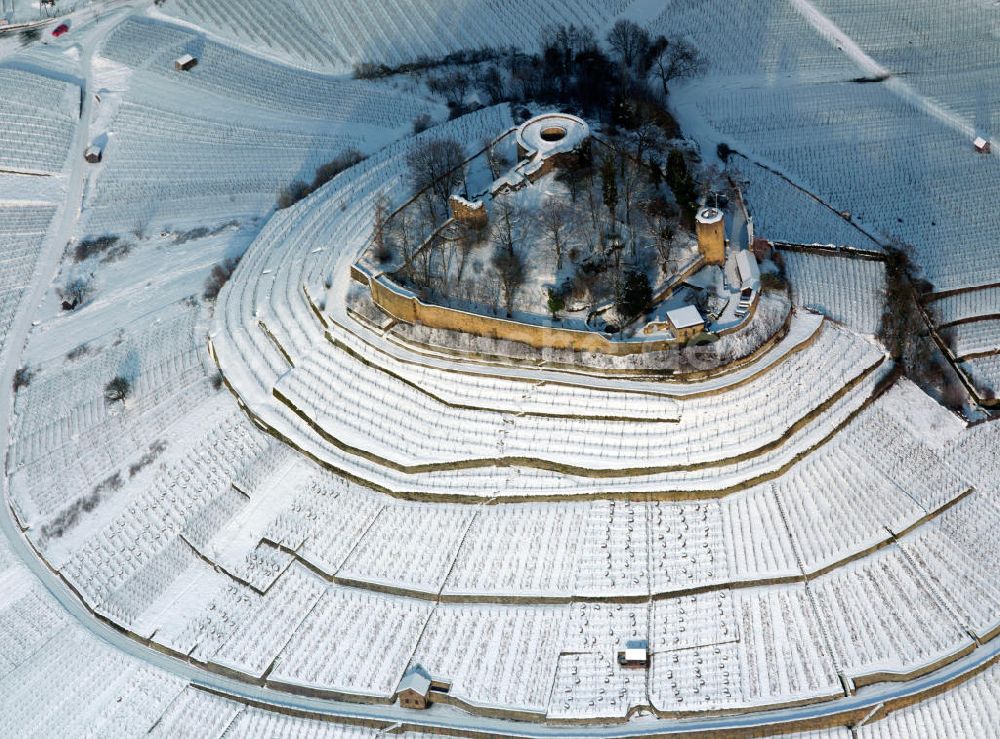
(846,289)
(966,710)
(334,36)
(685,317)
(550,134)
(748,269)
(772,528)
(709,216)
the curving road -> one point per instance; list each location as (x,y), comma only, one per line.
(438,717)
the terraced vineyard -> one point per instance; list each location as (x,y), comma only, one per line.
(238,503)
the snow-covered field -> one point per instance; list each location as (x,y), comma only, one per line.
(37,117)
(783,212)
(856,298)
(334,36)
(307,505)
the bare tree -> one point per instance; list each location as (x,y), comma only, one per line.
(452,86)
(421,264)
(505,215)
(631,175)
(400,229)
(629,41)
(555,220)
(436,165)
(510,269)
(646,136)
(78,289)
(380,244)
(467,238)
(491,82)
(568,41)
(609,184)
(444,255)
(118,388)
(458,86)
(679,60)
(495,160)
(507,260)
(660,220)
(575,174)
(491,291)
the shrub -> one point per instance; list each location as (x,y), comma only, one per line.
(182,237)
(369,71)
(723,150)
(772,281)
(97,245)
(218,277)
(147,458)
(80,350)
(78,289)
(292,193)
(556,303)
(299,189)
(118,388)
(329,170)
(28,35)
(383,254)
(422,122)
(22,377)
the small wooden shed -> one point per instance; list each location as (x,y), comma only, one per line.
(185,63)
(415,688)
(686,322)
(93,153)
(981,144)
(635,654)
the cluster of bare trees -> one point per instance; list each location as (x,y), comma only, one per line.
(625,80)
(437,167)
(660,58)
(296,190)
(905,332)
(626,206)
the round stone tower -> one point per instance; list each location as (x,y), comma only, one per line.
(710,227)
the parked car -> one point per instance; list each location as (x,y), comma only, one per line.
(60,30)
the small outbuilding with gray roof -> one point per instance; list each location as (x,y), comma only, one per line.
(415,688)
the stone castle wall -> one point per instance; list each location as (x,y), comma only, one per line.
(404,306)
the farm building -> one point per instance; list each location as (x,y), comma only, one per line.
(414,689)
(748,270)
(982,145)
(635,654)
(185,63)
(93,153)
(686,322)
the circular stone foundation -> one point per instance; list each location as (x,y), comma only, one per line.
(553,133)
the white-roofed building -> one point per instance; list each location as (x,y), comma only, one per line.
(686,322)
(748,270)
(635,654)
(185,63)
